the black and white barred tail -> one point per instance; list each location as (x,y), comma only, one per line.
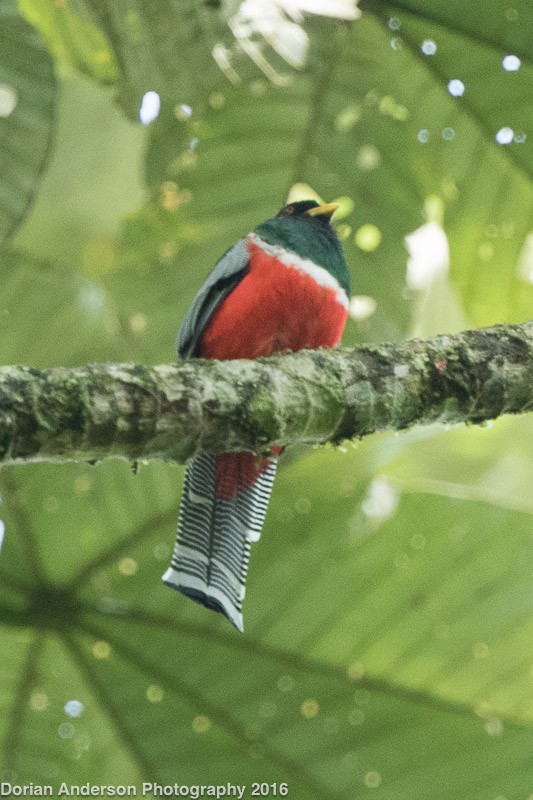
(210,560)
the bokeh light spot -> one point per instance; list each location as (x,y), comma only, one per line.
(150,108)
(505,136)
(368,237)
(511,63)
(127,566)
(456,88)
(428,47)
(201,724)
(309,709)
(101,650)
(73,708)
(154,693)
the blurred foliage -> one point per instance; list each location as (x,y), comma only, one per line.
(27,100)
(389,615)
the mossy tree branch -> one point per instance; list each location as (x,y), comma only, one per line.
(169,412)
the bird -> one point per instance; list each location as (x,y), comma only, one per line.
(283,287)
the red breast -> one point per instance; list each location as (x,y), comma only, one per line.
(275,307)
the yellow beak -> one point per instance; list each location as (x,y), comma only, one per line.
(327,210)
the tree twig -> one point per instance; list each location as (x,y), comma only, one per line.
(171,411)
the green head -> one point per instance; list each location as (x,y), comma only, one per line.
(305,228)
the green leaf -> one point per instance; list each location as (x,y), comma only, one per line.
(429,573)
(42,307)
(88,187)
(357,135)
(73,37)
(165,47)
(27,104)
(332,689)
(486,186)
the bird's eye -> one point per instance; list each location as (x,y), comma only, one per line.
(288,210)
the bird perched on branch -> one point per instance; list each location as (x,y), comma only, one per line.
(285,286)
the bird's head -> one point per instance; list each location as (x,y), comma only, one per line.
(304,227)
(311,210)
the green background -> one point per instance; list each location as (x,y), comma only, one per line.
(389,617)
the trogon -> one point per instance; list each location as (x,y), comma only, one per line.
(285,286)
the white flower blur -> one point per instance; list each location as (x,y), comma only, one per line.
(525,260)
(429,256)
(278,23)
(267,19)
(381,501)
(8,100)
(342,9)
(362,307)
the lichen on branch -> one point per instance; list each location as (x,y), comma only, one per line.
(314,396)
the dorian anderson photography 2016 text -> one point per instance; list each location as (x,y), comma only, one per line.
(193,792)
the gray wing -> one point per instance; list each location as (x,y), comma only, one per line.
(228,272)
